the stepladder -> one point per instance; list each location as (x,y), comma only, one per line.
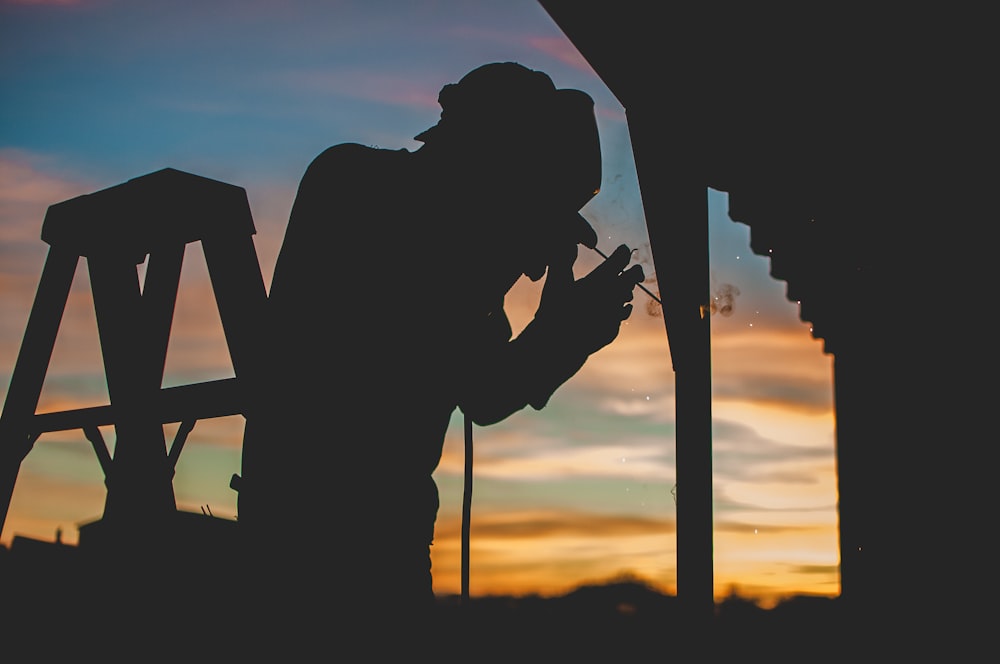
(149,219)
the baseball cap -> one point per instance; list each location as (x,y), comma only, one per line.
(556,128)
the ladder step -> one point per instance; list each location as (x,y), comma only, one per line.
(196,401)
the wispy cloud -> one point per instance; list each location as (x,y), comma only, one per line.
(359,84)
(515,456)
(46,3)
(774,364)
(540,524)
(29,183)
(561,49)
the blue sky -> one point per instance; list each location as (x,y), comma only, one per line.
(97,92)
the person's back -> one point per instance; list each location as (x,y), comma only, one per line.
(348,359)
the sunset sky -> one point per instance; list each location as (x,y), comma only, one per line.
(96,92)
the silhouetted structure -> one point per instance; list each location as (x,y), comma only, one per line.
(850,143)
(115,229)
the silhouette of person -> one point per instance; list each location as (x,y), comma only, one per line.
(386,313)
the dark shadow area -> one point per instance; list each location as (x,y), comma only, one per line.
(60,603)
(63,602)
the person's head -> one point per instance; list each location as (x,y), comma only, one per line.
(530,149)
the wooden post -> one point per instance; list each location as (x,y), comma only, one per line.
(675,201)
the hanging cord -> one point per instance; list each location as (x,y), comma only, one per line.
(466,507)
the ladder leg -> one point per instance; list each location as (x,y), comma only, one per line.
(242,298)
(141,489)
(32,364)
(159,299)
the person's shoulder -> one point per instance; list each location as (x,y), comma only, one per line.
(354,155)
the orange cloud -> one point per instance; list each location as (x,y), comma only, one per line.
(551,552)
(515,525)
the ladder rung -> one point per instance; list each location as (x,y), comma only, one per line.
(197,401)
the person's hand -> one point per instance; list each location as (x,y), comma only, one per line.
(587,313)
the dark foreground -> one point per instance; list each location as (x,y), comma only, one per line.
(617,622)
(53,609)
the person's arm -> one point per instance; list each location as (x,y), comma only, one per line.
(575,319)
(503,375)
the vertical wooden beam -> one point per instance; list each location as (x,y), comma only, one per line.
(644,63)
(675,201)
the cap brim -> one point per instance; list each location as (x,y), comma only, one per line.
(426,135)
